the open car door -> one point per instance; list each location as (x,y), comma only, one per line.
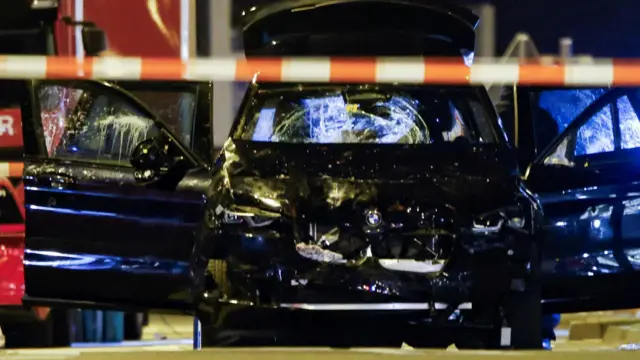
(587,180)
(115,197)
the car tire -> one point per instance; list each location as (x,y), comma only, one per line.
(518,320)
(524,309)
(210,335)
(218,271)
(133,326)
(214,335)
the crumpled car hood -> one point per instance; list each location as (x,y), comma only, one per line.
(275,177)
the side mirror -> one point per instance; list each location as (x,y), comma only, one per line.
(94,40)
(150,160)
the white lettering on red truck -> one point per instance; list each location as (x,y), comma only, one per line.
(6,125)
(10,128)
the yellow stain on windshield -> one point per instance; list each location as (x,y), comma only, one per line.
(352,107)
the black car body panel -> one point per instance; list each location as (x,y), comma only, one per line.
(406,27)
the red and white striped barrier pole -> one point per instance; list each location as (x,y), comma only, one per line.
(11,169)
(595,72)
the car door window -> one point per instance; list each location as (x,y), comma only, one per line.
(91,125)
(176,108)
(594,137)
(564,105)
(629,124)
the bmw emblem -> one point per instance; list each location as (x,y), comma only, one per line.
(373,218)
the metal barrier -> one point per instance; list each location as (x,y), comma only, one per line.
(541,71)
(10,169)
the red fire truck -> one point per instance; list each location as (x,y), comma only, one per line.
(141,28)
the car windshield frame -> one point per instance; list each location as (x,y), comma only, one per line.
(259,93)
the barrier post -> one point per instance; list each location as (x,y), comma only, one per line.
(566,48)
(197,334)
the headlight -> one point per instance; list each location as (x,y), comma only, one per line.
(247,218)
(493,222)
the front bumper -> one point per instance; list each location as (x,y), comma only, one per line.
(236,324)
(260,275)
(264,268)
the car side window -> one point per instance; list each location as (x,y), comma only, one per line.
(629,124)
(594,137)
(91,125)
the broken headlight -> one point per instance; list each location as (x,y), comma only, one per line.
(246,218)
(493,222)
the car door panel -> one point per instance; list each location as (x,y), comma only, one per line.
(144,242)
(97,236)
(586,264)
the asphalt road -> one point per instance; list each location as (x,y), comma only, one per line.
(168,337)
(171,353)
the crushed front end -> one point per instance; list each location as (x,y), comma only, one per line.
(398,252)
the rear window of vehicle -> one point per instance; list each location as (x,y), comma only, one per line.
(353,114)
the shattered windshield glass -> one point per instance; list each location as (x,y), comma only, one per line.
(365,114)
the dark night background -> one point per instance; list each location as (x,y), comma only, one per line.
(598,27)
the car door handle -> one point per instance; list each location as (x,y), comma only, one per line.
(56,180)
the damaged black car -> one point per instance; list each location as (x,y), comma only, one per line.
(335,215)
(354,200)
(392,210)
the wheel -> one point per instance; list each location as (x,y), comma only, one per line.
(214,330)
(218,271)
(211,334)
(523,309)
(524,317)
(133,326)
(518,317)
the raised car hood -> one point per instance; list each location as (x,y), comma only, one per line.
(359,28)
(330,176)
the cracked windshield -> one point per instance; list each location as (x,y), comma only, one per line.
(361,115)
